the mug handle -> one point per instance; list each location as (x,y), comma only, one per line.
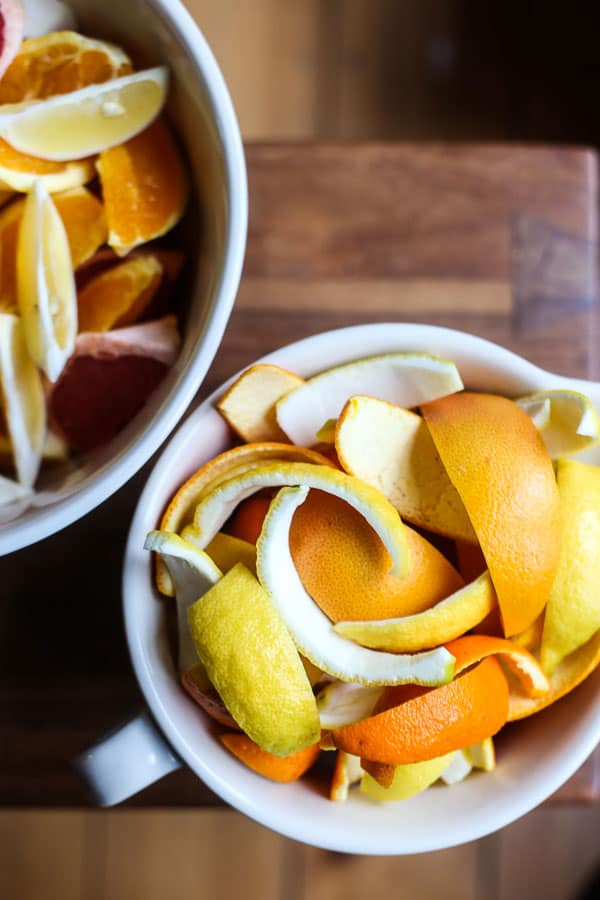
(126,761)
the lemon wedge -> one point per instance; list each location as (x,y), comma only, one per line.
(215,508)
(252,662)
(407,379)
(70,126)
(573,609)
(442,622)
(193,573)
(46,284)
(566,420)
(22,399)
(409,779)
(312,630)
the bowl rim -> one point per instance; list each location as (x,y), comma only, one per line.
(50,519)
(412,336)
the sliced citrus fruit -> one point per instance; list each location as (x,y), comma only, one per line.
(447,620)
(573,608)
(345,568)
(23,403)
(119,296)
(499,465)
(226,550)
(196,684)
(407,780)
(407,379)
(86,121)
(193,573)
(60,62)
(19,170)
(347,771)
(283,769)
(312,630)
(182,505)
(566,420)
(215,508)
(341,703)
(83,217)
(392,449)
(45,284)
(54,449)
(574,669)
(144,187)
(418,724)
(457,769)
(249,404)
(11,33)
(261,679)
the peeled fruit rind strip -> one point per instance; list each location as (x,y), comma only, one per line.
(46,284)
(283,769)
(443,622)
(431,723)
(407,780)
(213,510)
(193,573)
(457,769)
(86,121)
(341,703)
(346,569)
(196,684)
(391,448)
(566,420)
(18,171)
(181,508)
(573,610)
(251,660)
(311,629)
(226,550)
(249,404)
(499,465)
(482,755)
(472,648)
(347,771)
(574,669)
(11,491)
(23,400)
(407,379)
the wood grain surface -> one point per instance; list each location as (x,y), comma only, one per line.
(499,241)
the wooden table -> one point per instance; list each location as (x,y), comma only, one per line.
(498,241)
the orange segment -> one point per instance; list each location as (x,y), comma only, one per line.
(277,768)
(19,170)
(59,62)
(421,723)
(500,467)
(83,217)
(119,296)
(144,187)
(472,648)
(345,567)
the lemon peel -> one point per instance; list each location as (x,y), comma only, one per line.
(482,755)
(458,768)
(347,771)
(407,379)
(86,121)
(566,420)
(342,703)
(573,609)
(251,660)
(214,509)
(409,779)
(391,448)
(248,405)
(193,573)
(443,622)
(46,284)
(312,630)
(23,400)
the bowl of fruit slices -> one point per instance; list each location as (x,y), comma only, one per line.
(360,592)
(122,231)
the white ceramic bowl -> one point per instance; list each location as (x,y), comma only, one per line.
(535,756)
(153,32)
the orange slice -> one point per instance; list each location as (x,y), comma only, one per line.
(119,297)
(346,569)
(277,768)
(501,469)
(144,187)
(180,510)
(418,724)
(18,171)
(60,62)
